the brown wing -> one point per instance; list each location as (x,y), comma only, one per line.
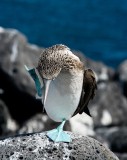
(88,92)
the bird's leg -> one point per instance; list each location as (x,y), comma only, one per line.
(60,128)
(36,79)
(58,135)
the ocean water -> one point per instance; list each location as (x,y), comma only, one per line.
(98,28)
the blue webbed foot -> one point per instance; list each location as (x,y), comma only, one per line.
(58,135)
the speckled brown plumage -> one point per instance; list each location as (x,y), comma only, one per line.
(55,58)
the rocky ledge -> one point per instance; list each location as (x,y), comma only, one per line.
(37,146)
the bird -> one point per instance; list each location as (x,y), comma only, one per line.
(64,85)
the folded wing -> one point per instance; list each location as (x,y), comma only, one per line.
(88,92)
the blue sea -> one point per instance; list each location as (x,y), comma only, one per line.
(98,28)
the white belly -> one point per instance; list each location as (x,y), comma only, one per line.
(63,96)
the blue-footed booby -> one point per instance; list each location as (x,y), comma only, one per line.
(64,85)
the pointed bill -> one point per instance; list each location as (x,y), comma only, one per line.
(45,90)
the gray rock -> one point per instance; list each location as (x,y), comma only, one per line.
(109,107)
(15,52)
(21,105)
(103,72)
(122,74)
(37,146)
(114,137)
(122,71)
(7,125)
(122,156)
(82,124)
(18,88)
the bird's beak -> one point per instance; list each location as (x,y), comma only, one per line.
(45,90)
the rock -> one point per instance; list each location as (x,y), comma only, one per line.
(122,156)
(115,137)
(122,71)
(15,52)
(21,105)
(38,146)
(108,99)
(39,123)
(7,125)
(122,74)
(18,87)
(103,72)
(82,124)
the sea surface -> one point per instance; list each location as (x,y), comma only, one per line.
(98,28)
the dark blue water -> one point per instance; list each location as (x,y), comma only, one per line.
(96,27)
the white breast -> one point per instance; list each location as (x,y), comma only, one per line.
(63,96)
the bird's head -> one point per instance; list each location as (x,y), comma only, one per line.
(51,61)
(49,66)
